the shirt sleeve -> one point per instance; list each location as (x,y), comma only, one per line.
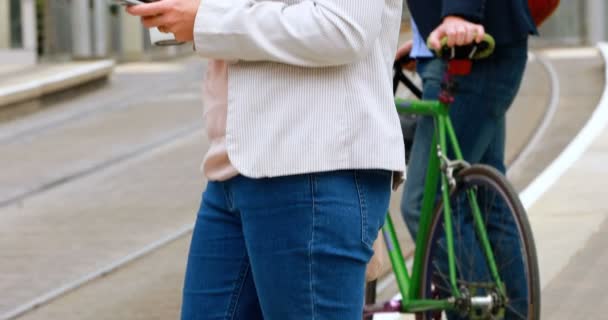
(419,48)
(313,33)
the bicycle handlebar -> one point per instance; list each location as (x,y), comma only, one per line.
(474,51)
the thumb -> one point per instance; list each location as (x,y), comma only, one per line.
(480,34)
(434,41)
(404,50)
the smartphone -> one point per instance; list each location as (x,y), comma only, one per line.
(131,2)
(156,37)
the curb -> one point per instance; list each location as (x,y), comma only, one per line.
(574,150)
(43,84)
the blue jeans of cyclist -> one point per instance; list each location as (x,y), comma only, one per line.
(285,248)
(478,116)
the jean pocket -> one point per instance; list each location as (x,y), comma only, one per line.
(374,189)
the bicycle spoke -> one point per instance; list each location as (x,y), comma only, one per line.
(442,288)
(458,228)
(461,251)
(497,242)
(443,276)
(508,262)
(471,256)
(517,313)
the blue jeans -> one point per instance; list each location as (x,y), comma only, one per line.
(285,248)
(478,116)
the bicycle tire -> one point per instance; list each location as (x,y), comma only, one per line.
(486,182)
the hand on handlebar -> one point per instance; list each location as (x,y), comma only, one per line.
(403,54)
(458,31)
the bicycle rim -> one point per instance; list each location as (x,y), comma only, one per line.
(511,240)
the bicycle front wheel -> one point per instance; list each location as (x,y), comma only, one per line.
(512,244)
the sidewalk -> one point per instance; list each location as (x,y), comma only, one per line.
(568,212)
(94,180)
(19,85)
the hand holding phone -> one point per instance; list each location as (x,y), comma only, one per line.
(130,2)
(157,37)
(175,16)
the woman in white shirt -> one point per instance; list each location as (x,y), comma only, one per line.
(305,142)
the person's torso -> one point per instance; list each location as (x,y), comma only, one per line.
(285,120)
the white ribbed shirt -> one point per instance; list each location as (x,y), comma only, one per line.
(309,85)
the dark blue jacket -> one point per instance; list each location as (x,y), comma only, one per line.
(507,21)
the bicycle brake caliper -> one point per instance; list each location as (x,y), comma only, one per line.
(450,168)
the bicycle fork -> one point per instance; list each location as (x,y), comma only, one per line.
(449,169)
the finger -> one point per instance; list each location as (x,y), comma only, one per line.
(404,50)
(461,34)
(182,37)
(148,9)
(434,39)
(153,21)
(451,33)
(470,35)
(171,28)
(402,53)
(179,38)
(480,33)
(407,46)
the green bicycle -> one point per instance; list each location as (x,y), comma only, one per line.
(475,256)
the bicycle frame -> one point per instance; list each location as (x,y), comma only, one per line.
(409,286)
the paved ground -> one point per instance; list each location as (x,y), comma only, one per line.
(148,289)
(97,177)
(579,84)
(579,290)
(565,205)
(18,84)
(571,221)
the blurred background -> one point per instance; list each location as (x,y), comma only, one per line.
(59,30)
(101,140)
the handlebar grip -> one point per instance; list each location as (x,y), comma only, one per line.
(474,51)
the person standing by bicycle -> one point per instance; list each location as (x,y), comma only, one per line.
(305,140)
(482,97)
